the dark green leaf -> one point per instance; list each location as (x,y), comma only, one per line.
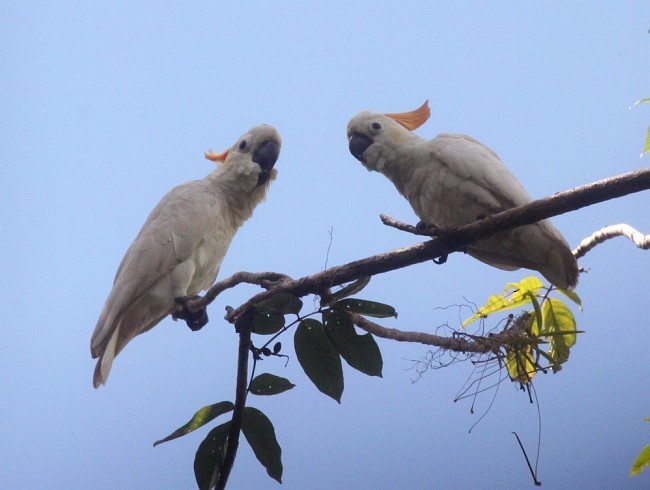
(534,327)
(269,384)
(319,358)
(282,303)
(260,434)
(277,347)
(360,351)
(265,323)
(351,289)
(368,308)
(200,418)
(209,457)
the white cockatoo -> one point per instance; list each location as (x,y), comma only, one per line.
(180,247)
(453,180)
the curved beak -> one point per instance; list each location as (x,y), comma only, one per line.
(359,143)
(266,156)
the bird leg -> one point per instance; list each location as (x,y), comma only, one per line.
(196,320)
(273,279)
(428,229)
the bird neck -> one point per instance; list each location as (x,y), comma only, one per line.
(401,162)
(239,196)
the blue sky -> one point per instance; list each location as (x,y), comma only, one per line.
(108,105)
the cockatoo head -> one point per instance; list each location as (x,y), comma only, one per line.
(373,137)
(251,159)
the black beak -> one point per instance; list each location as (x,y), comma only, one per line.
(358,144)
(266,156)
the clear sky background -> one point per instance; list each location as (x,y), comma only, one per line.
(108,105)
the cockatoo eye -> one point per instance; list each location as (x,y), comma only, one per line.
(375,126)
(243,145)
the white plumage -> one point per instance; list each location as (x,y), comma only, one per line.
(453,180)
(180,247)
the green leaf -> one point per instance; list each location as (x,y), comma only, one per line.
(282,303)
(269,384)
(558,319)
(359,351)
(367,308)
(319,358)
(265,323)
(200,418)
(351,289)
(646,148)
(642,460)
(208,460)
(571,294)
(260,434)
(514,295)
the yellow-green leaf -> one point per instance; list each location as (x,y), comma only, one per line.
(571,294)
(519,364)
(642,460)
(514,295)
(640,101)
(646,148)
(200,418)
(560,326)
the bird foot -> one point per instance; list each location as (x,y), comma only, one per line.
(427,229)
(195,320)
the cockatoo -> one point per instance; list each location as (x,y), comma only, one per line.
(453,180)
(180,247)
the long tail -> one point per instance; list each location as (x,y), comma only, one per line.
(105,361)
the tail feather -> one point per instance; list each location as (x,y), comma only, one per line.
(538,247)
(105,361)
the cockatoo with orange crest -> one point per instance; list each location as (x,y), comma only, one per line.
(180,247)
(453,180)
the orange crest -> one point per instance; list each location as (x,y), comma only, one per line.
(414,119)
(216,157)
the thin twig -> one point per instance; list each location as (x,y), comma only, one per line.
(449,343)
(264,279)
(640,240)
(532,473)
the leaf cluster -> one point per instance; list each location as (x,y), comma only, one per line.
(548,331)
(320,346)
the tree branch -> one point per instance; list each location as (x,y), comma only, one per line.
(455,240)
(450,241)
(640,240)
(244,327)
